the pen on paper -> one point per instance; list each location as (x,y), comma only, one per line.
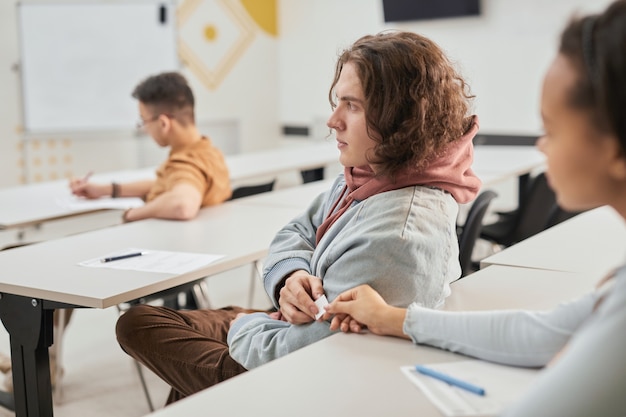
(120,257)
(450,380)
(86,177)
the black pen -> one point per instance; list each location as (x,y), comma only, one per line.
(117,258)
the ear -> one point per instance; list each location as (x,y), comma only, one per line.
(165,122)
(617,162)
(618,168)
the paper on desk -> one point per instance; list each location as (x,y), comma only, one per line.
(78,203)
(154,261)
(503,385)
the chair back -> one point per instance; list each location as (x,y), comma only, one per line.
(310,175)
(534,214)
(248,190)
(471,229)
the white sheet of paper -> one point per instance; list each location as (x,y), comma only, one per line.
(154,261)
(78,203)
(321,303)
(503,385)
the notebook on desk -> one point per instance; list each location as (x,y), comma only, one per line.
(71,202)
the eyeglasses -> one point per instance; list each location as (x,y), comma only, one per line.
(141,123)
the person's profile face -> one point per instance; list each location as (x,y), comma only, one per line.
(577,155)
(149,123)
(349,119)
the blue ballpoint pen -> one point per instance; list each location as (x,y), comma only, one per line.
(450,380)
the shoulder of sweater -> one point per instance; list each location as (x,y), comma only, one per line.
(419,194)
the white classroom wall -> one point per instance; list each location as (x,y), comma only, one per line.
(9,97)
(502,53)
(243,97)
(284,80)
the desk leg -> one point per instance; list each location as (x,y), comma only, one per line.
(30,327)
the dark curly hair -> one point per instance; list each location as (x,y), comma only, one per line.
(415,101)
(167,93)
(596,46)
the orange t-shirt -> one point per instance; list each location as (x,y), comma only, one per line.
(200,164)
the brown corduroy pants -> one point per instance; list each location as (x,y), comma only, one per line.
(185,348)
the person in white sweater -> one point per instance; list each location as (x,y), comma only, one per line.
(583,341)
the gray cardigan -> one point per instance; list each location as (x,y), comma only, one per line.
(402,242)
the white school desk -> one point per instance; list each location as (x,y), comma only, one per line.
(503,161)
(492,164)
(507,287)
(594,241)
(36,279)
(28,205)
(497,163)
(359,375)
(507,161)
(32,204)
(340,376)
(299,196)
(249,166)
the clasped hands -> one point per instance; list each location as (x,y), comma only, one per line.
(297,298)
(352,311)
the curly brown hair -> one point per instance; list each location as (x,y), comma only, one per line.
(415,101)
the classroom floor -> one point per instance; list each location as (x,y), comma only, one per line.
(100,380)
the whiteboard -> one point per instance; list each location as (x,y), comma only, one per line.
(81,61)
